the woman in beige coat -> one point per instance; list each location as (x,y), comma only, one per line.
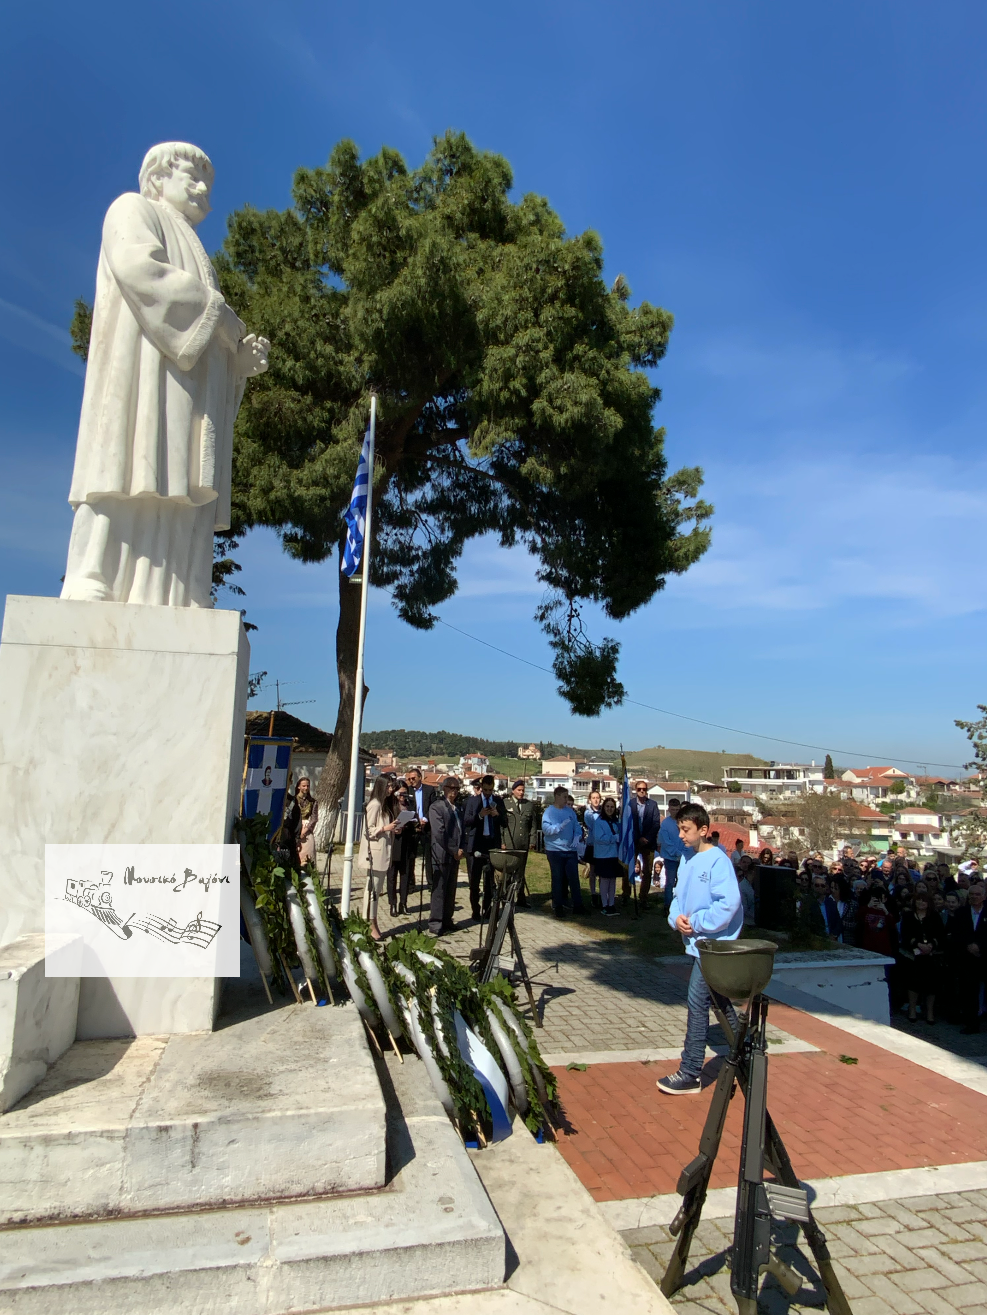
(376,843)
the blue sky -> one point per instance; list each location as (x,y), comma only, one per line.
(802,185)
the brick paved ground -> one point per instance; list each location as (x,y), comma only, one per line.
(881,1113)
(908,1257)
(926,1254)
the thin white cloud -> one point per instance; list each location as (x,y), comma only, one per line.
(808,534)
(25,329)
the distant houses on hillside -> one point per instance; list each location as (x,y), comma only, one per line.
(759,804)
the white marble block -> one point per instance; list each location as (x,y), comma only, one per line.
(118,723)
(37,1017)
(850,978)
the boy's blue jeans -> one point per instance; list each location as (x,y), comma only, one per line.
(697,1027)
(564,866)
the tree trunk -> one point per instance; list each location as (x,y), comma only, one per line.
(335,775)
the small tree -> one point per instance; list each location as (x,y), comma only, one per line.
(829,771)
(971,829)
(826,818)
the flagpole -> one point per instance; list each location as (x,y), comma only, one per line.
(358,688)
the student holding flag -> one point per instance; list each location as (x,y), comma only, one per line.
(627,850)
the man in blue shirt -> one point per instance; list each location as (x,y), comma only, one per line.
(561,830)
(706,904)
(670,848)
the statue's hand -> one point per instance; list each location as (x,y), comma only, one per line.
(251,355)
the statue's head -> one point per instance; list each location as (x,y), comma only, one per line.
(180,175)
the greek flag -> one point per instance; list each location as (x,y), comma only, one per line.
(626,851)
(356,512)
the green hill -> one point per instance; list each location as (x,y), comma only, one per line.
(449,744)
(688,764)
(681,764)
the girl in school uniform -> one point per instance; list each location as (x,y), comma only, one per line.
(606,841)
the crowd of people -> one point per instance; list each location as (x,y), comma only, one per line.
(399,831)
(928,919)
(406,820)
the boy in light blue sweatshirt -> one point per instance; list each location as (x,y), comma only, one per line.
(706,904)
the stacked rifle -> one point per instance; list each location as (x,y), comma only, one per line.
(741,970)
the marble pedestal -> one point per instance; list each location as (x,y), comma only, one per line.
(38,1016)
(845,976)
(118,723)
(283,1106)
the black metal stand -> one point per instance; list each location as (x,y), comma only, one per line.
(500,925)
(758,1202)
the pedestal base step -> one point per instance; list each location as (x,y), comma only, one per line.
(281,1106)
(431,1230)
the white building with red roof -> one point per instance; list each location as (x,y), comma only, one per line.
(665,790)
(874,783)
(920,827)
(776,779)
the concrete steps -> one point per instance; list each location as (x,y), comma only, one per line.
(429,1230)
(281,1106)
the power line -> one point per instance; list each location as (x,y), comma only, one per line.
(755,735)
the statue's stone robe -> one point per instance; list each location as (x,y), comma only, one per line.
(153,461)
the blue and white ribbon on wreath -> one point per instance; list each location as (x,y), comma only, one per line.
(488,1073)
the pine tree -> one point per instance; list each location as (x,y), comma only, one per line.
(512,390)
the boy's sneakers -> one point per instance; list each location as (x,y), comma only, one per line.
(677,1084)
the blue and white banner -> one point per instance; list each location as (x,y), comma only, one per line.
(356,513)
(627,848)
(266,783)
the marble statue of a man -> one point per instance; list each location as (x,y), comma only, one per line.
(167,363)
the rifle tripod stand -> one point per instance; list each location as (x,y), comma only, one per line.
(758,1202)
(500,924)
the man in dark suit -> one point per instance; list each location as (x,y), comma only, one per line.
(967,954)
(416,837)
(822,912)
(483,823)
(445,834)
(518,826)
(644,815)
